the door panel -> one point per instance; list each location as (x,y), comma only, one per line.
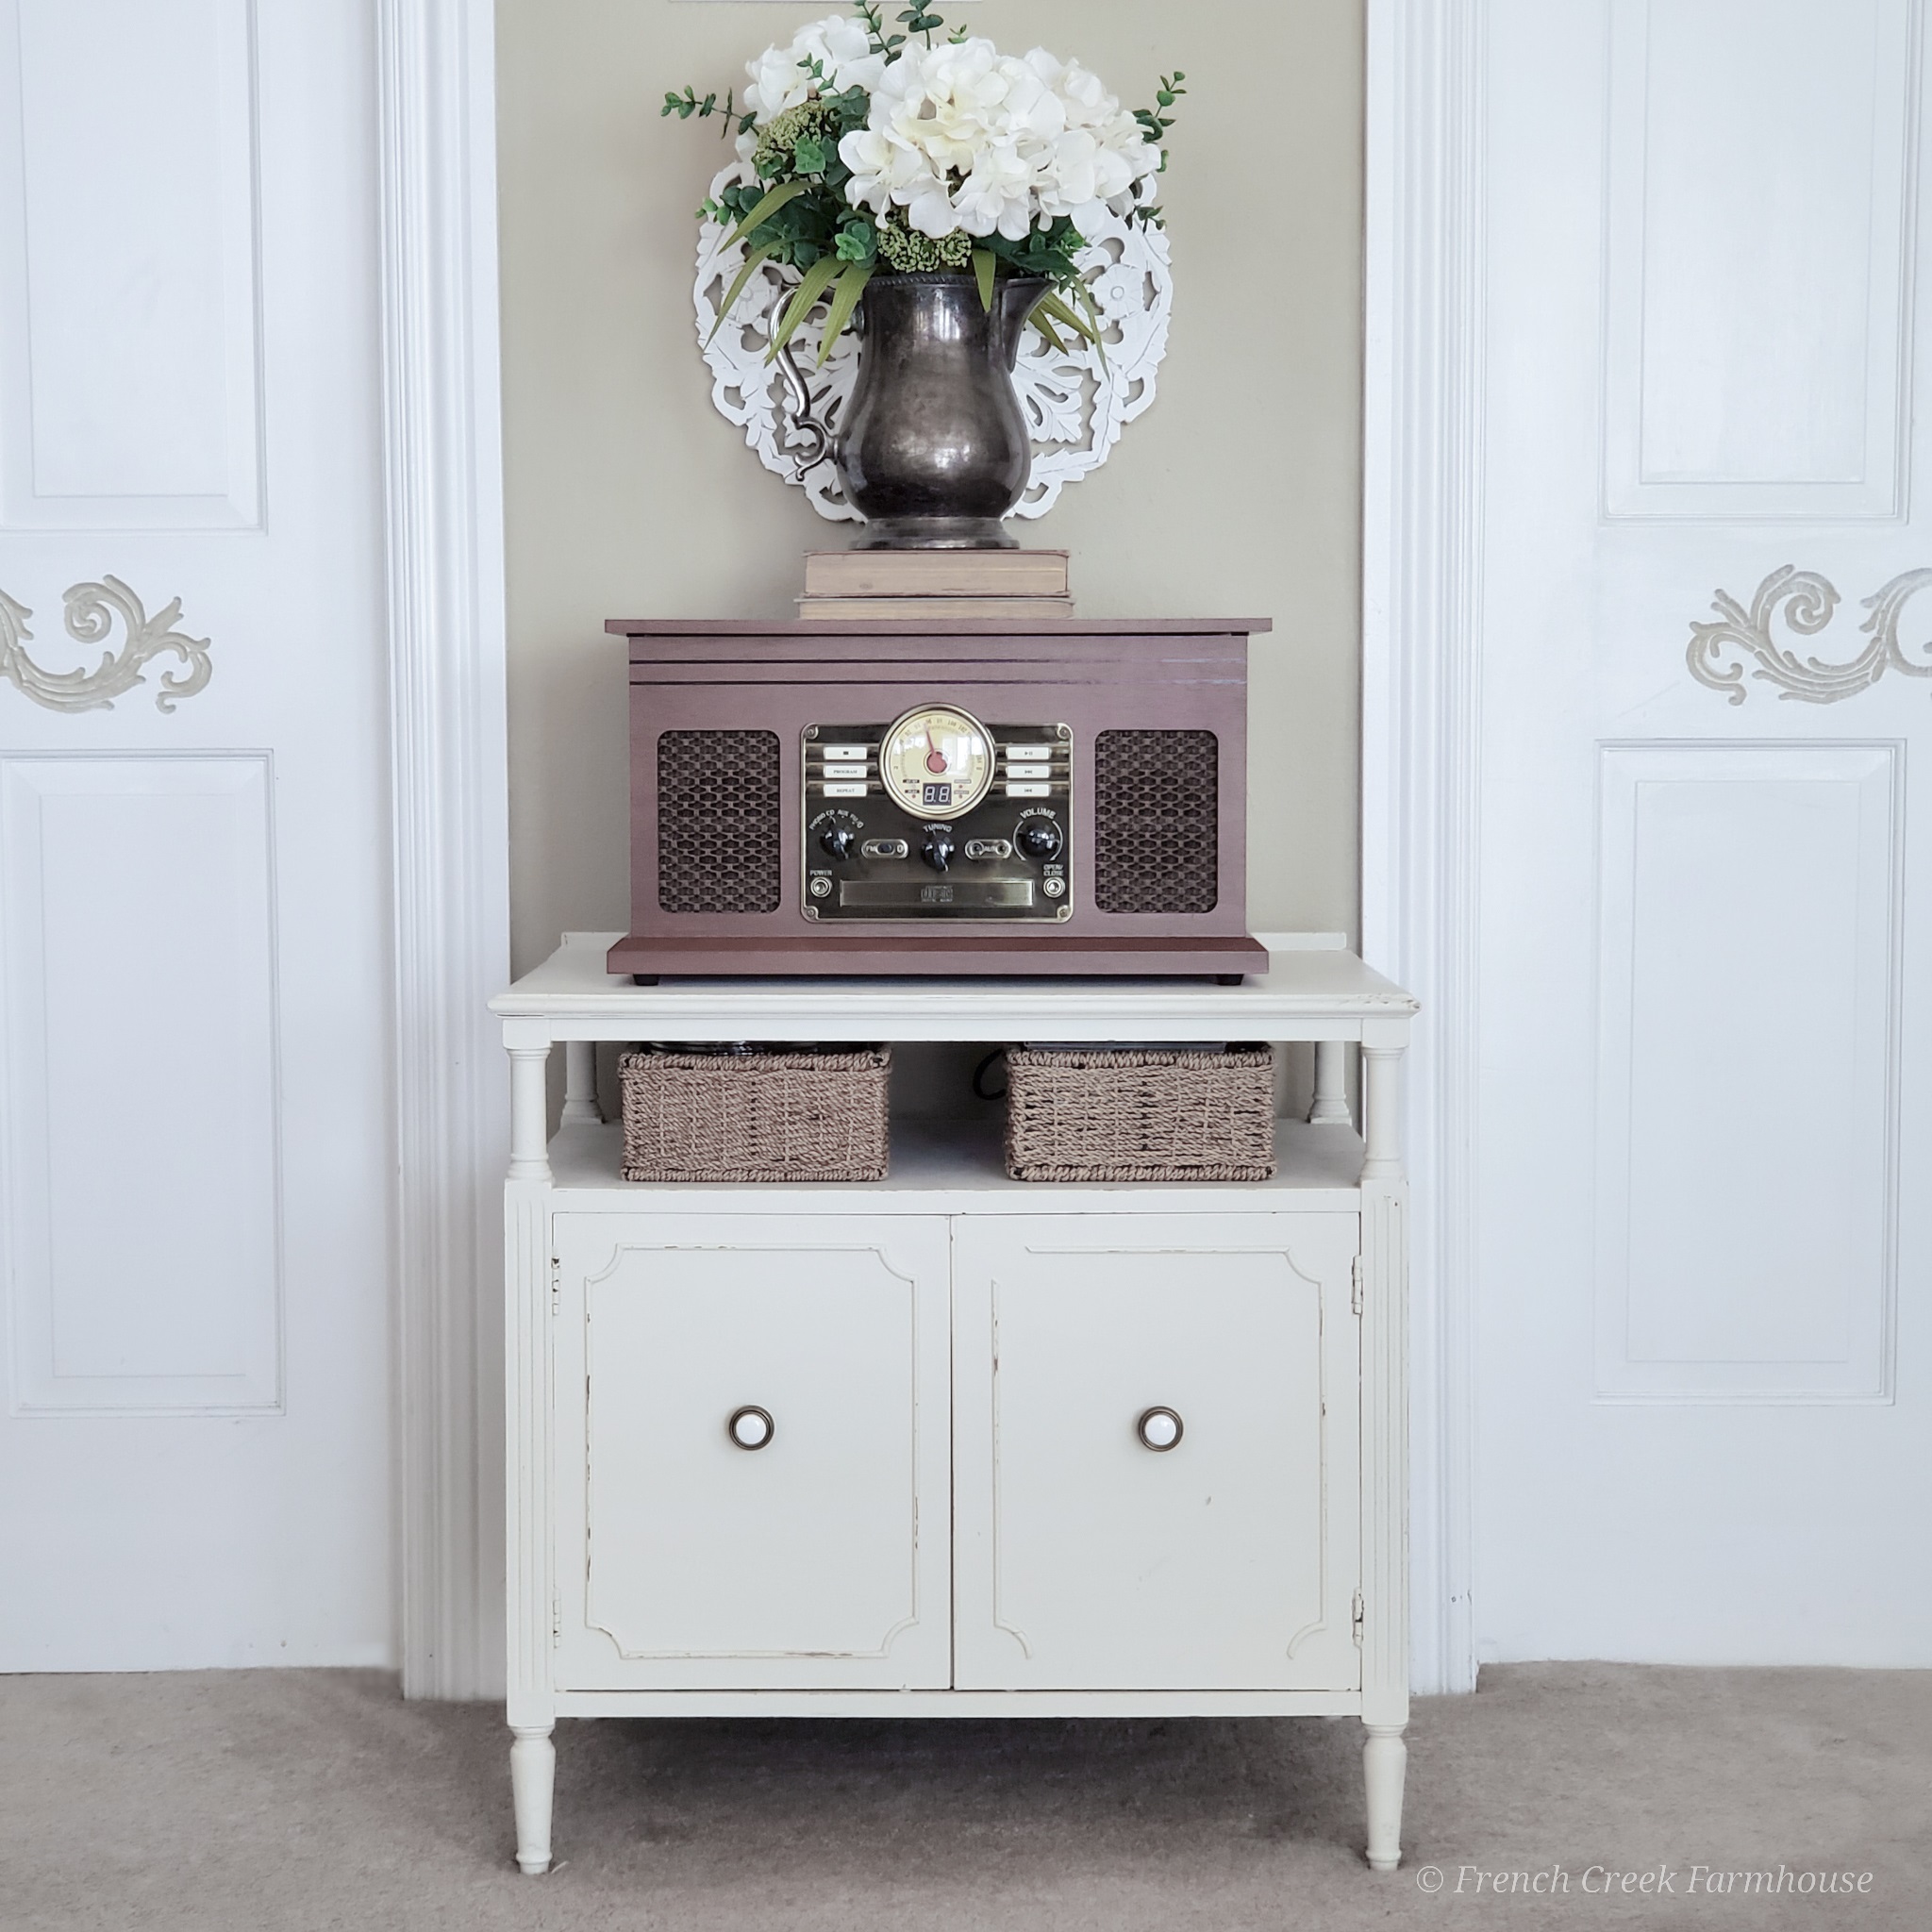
(1085,1558)
(196,1142)
(1703,1336)
(816,1558)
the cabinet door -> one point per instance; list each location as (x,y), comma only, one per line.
(686,1560)
(1086,1559)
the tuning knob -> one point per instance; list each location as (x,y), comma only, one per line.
(835,841)
(1158,1428)
(938,849)
(1040,839)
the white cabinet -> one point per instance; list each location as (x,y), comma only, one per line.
(946,1443)
(1090,1557)
(809,1547)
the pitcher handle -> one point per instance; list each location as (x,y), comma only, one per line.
(816,438)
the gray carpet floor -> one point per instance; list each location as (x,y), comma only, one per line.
(253,1802)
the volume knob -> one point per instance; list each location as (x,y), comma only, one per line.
(938,849)
(1039,838)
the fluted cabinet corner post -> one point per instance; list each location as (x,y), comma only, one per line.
(1385,1445)
(528,1487)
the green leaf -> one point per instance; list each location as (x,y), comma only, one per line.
(844,300)
(767,207)
(1067,319)
(737,289)
(809,156)
(817,278)
(1046,328)
(984,263)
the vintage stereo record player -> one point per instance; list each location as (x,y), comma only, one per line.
(968,796)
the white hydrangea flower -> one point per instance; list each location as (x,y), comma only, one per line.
(962,136)
(1104,152)
(952,139)
(780,77)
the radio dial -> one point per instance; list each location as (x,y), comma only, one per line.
(938,849)
(836,841)
(1040,839)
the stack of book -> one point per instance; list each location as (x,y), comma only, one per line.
(847,584)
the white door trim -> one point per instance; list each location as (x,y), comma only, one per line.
(1421,591)
(444,475)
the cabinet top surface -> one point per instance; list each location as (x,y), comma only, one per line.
(1312,989)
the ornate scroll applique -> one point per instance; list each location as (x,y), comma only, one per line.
(92,609)
(1806,602)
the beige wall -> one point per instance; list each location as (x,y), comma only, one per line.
(1237,494)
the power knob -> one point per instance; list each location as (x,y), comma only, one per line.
(835,841)
(1040,839)
(938,849)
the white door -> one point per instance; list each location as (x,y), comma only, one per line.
(194,1140)
(752,1452)
(1703,1341)
(1155,1446)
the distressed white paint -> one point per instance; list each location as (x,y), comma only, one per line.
(130,295)
(1746,1241)
(142,1243)
(1087,1559)
(1282,1308)
(1759,257)
(818,1559)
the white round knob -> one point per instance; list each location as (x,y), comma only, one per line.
(1158,1428)
(751,1429)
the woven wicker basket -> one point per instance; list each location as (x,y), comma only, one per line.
(784,1115)
(1140,1115)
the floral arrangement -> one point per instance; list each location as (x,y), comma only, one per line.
(864,152)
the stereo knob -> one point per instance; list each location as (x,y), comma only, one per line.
(938,849)
(1040,839)
(835,841)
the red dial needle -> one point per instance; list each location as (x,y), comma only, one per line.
(935,757)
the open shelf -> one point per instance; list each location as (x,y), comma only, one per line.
(936,1162)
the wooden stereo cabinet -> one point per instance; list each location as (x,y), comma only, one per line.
(940,1444)
(1060,796)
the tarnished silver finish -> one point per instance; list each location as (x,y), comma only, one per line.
(932,450)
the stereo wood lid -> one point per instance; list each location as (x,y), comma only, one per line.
(822,631)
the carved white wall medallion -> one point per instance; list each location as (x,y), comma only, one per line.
(1806,602)
(1076,402)
(92,609)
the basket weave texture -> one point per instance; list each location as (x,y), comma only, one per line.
(1140,1115)
(783,1116)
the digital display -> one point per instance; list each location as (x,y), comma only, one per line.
(937,794)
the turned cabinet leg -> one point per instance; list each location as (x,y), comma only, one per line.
(1385,1758)
(532,1780)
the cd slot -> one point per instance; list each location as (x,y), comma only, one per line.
(962,895)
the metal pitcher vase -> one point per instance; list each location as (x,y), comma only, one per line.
(932,449)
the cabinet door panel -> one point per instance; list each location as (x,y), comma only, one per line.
(689,1561)
(1086,1559)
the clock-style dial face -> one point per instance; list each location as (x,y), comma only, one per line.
(937,763)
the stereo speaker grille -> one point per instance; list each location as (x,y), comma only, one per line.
(1156,813)
(718,848)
